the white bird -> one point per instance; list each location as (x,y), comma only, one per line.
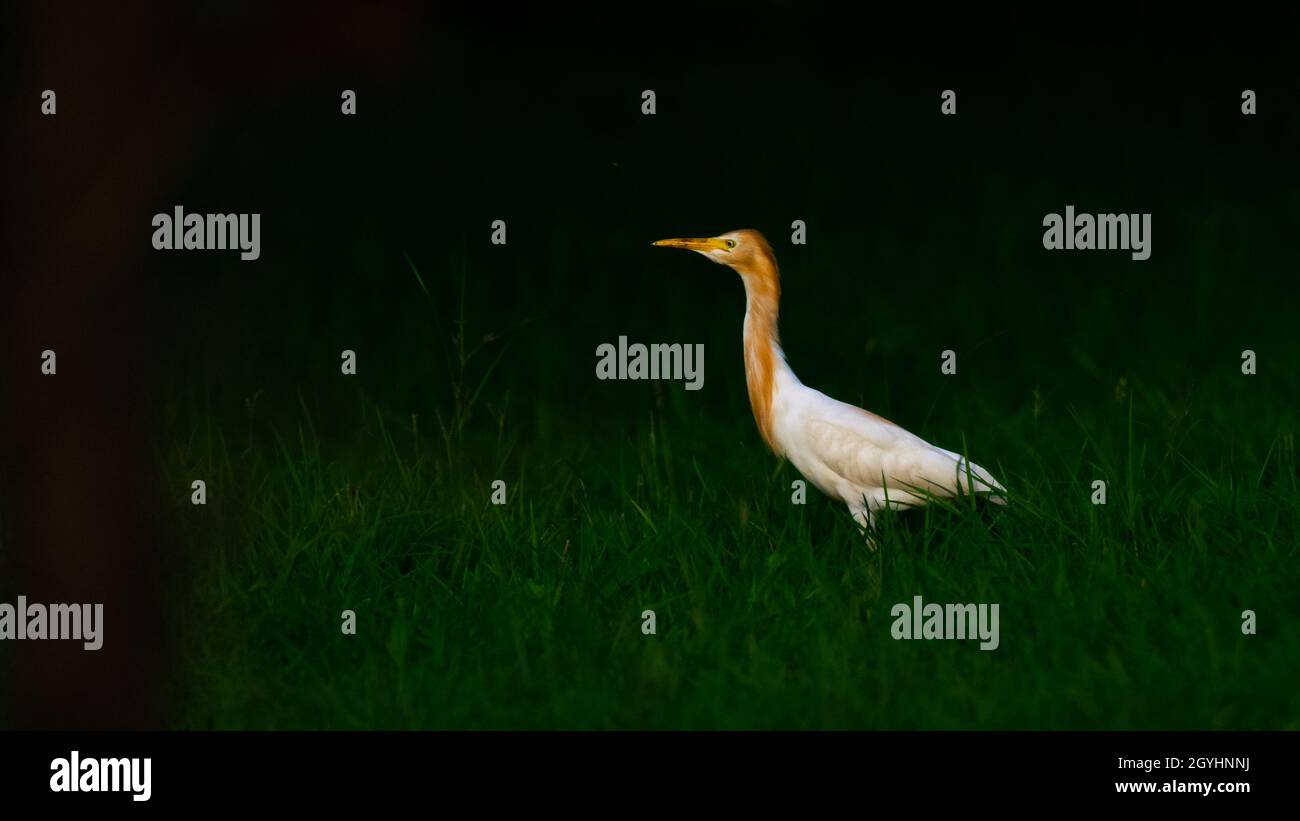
(864,460)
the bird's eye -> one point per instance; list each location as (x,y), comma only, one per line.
(731,243)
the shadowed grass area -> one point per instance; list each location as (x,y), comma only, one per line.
(769,614)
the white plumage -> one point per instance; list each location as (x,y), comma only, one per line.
(865,461)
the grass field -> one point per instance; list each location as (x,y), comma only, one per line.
(374,495)
(476,363)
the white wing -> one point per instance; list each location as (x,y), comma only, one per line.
(852,454)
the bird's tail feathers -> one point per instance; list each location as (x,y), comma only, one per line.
(983,481)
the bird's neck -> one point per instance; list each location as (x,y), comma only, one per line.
(763,355)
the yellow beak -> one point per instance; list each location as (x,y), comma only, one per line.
(709,244)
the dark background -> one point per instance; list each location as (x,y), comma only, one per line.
(924,225)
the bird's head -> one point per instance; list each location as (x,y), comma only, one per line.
(745,250)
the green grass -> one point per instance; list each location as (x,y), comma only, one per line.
(769,614)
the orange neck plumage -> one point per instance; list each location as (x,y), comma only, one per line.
(762,343)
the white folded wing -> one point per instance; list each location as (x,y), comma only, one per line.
(864,459)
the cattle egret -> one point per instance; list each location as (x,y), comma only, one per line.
(865,461)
